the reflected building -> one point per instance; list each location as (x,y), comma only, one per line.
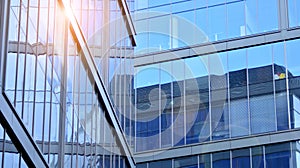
(221,80)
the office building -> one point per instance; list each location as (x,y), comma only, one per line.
(150,83)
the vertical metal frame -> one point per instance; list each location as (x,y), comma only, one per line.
(9,117)
(283,14)
(90,65)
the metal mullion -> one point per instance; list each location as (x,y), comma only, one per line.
(248,95)
(104,135)
(228,97)
(125,89)
(209,99)
(119,79)
(159,106)
(3,146)
(135,112)
(250,156)
(96,129)
(84,123)
(20,159)
(184,104)
(78,110)
(63,95)
(274,90)
(18,54)
(73,113)
(35,70)
(93,138)
(73,106)
(130,104)
(88,23)
(51,82)
(45,78)
(287,86)
(245,18)
(230,158)
(172,106)
(25,61)
(94,94)
(264,155)
(198,161)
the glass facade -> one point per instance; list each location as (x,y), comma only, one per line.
(162,24)
(51,86)
(246,96)
(274,155)
(116,83)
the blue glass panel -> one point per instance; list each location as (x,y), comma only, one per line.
(236,19)
(294,12)
(182,6)
(159,164)
(202,22)
(257,157)
(221,160)
(238,93)
(217,27)
(215,2)
(200,4)
(197,89)
(159,33)
(186,162)
(241,158)
(293,59)
(166,103)
(296,154)
(219,95)
(158,2)
(205,161)
(141,4)
(251,17)
(141,165)
(266,10)
(278,155)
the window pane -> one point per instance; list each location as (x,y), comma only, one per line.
(178,102)
(205,161)
(292,50)
(294,12)
(159,164)
(260,70)
(218,95)
(186,162)
(278,155)
(280,86)
(241,158)
(236,19)
(221,159)
(166,103)
(266,10)
(257,157)
(198,130)
(238,93)
(296,153)
(217,27)
(147,107)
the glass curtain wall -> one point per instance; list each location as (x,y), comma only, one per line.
(164,24)
(51,89)
(9,155)
(267,156)
(109,42)
(219,96)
